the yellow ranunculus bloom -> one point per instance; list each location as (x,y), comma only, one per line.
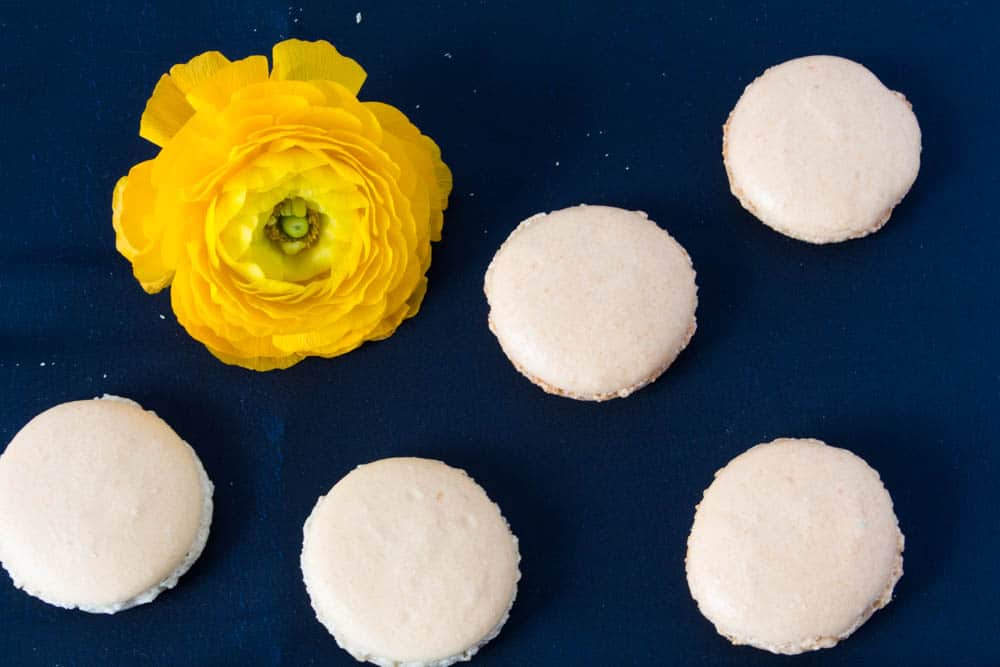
(289,218)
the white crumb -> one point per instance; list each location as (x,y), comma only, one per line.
(447,55)
(162,317)
(557,163)
(357,17)
(42,364)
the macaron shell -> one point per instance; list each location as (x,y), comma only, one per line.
(591,302)
(408,561)
(820,150)
(100,502)
(794,545)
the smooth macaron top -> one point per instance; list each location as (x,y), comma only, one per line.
(407,561)
(100,502)
(591,302)
(818,149)
(794,545)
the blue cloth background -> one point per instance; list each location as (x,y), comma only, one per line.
(886,345)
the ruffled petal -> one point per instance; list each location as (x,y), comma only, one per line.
(200,68)
(216,90)
(166,112)
(257,355)
(168,109)
(426,156)
(395,121)
(308,61)
(258,363)
(136,234)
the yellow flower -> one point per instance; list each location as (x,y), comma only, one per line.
(289,218)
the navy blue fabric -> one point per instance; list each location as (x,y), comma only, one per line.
(886,345)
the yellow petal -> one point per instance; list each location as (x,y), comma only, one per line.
(168,109)
(188,75)
(339,97)
(308,61)
(216,90)
(273,90)
(425,155)
(258,363)
(254,354)
(166,112)
(391,322)
(133,211)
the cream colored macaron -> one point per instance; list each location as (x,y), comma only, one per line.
(819,150)
(794,545)
(102,506)
(409,564)
(591,302)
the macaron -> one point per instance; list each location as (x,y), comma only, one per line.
(102,506)
(794,546)
(820,150)
(591,302)
(407,562)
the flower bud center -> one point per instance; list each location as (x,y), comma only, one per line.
(293,226)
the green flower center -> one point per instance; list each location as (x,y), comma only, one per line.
(293,226)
